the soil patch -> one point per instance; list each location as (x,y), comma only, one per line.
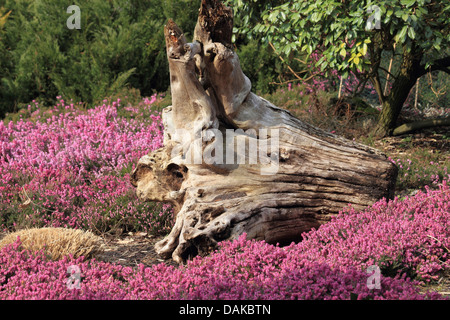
(131,250)
(435,140)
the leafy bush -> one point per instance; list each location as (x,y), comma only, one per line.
(263,67)
(120,44)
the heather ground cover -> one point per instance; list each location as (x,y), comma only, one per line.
(239,270)
(68,166)
(406,239)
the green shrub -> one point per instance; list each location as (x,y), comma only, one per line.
(120,45)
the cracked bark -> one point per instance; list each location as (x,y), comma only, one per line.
(290,176)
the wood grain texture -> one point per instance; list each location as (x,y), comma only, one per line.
(291,176)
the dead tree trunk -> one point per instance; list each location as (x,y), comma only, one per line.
(234,163)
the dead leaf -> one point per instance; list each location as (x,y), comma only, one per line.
(25,205)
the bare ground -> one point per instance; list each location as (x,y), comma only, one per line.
(435,140)
(131,250)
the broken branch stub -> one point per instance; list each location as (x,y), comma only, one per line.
(234,163)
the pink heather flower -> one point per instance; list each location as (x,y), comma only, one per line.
(75,168)
(57,158)
(330,263)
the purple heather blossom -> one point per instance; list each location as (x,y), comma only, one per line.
(74,165)
(330,263)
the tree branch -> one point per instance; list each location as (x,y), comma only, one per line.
(409,127)
(281,58)
(388,72)
(375,57)
(377,85)
(442,64)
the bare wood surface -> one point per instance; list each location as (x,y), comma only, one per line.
(292,176)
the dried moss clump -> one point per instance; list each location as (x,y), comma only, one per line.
(56,242)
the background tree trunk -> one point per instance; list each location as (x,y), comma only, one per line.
(234,163)
(392,104)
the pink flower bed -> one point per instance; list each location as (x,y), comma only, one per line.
(74,167)
(411,236)
(330,263)
(71,168)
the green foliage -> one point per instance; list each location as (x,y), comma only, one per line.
(263,66)
(346,34)
(120,44)
(353,37)
(260,65)
(247,14)
(3,16)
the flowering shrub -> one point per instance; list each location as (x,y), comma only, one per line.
(65,167)
(421,171)
(240,270)
(410,236)
(330,263)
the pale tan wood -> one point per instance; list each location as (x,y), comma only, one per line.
(308,177)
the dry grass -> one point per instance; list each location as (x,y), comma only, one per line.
(57,242)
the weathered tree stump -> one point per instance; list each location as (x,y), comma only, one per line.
(234,163)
